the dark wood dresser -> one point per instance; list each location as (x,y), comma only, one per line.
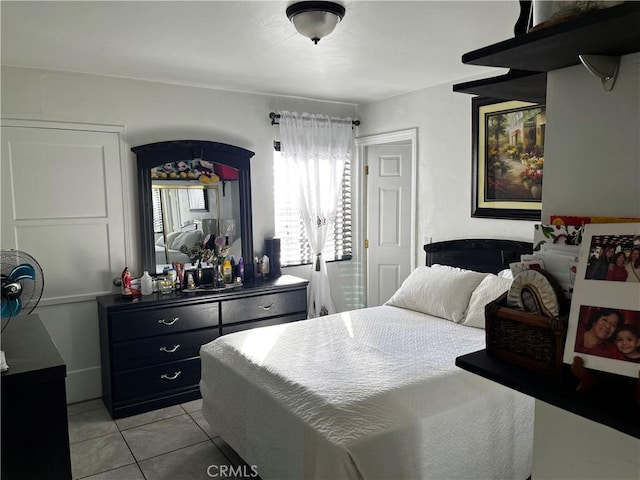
(150,346)
(35,433)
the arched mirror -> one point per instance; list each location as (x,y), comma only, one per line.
(189,191)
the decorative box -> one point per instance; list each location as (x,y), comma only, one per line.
(526,339)
(224,172)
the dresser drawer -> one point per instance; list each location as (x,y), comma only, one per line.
(159,378)
(146,323)
(264,306)
(237,327)
(160,349)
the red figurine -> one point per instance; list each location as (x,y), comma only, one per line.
(127,290)
(126,282)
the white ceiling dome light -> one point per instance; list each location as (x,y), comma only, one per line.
(315,20)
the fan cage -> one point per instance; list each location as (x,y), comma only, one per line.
(32,288)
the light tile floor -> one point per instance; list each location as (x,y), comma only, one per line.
(173,443)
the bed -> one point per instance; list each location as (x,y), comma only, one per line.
(374,393)
(175,240)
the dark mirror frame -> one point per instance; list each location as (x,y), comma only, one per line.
(155,154)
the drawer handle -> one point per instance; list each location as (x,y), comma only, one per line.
(170,350)
(173,320)
(164,376)
(267,307)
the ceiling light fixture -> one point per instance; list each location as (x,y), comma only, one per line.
(315,19)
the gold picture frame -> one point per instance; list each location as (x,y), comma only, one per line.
(508,158)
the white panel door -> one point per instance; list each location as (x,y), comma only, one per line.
(390,219)
(62,202)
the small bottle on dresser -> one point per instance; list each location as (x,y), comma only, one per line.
(146,284)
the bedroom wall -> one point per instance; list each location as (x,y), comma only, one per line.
(151,112)
(592,140)
(592,152)
(592,143)
(443,120)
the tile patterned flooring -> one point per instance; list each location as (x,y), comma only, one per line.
(173,443)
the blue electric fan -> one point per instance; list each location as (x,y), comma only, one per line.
(22,284)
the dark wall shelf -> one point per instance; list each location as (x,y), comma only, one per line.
(611,404)
(611,31)
(515,85)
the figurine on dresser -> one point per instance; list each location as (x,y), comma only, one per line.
(127,290)
(126,282)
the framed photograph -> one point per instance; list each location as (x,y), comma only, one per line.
(604,322)
(508,158)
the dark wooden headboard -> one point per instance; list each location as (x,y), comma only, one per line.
(482,255)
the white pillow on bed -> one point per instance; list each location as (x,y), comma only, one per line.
(440,292)
(449,267)
(507,273)
(490,288)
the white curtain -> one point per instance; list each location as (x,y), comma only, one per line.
(316,148)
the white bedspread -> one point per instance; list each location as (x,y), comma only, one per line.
(366,394)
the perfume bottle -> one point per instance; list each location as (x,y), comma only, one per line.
(227,272)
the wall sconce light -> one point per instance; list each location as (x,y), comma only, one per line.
(315,20)
(603,67)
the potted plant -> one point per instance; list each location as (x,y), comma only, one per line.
(532,180)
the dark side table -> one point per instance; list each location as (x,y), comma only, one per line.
(35,433)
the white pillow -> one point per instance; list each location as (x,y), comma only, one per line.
(449,267)
(174,242)
(171,239)
(440,292)
(490,288)
(192,238)
(189,239)
(507,273)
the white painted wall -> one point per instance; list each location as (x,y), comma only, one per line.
(592,152)
(152,112)
(570,447)
(592,145)
(443,120)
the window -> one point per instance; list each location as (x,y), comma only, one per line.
(157,210)
(289,228)
(198,201)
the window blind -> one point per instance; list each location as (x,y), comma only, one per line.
(157,211)
(294,244)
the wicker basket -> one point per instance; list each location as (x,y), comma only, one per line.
(526,339)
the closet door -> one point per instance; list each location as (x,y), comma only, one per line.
(62,202)
(391,220)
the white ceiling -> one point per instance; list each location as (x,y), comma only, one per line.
(380,49)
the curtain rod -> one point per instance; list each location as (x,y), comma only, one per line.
(275,116)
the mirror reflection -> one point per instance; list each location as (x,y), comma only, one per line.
(194,202)
(221,205)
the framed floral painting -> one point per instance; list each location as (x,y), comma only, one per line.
(508,158)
